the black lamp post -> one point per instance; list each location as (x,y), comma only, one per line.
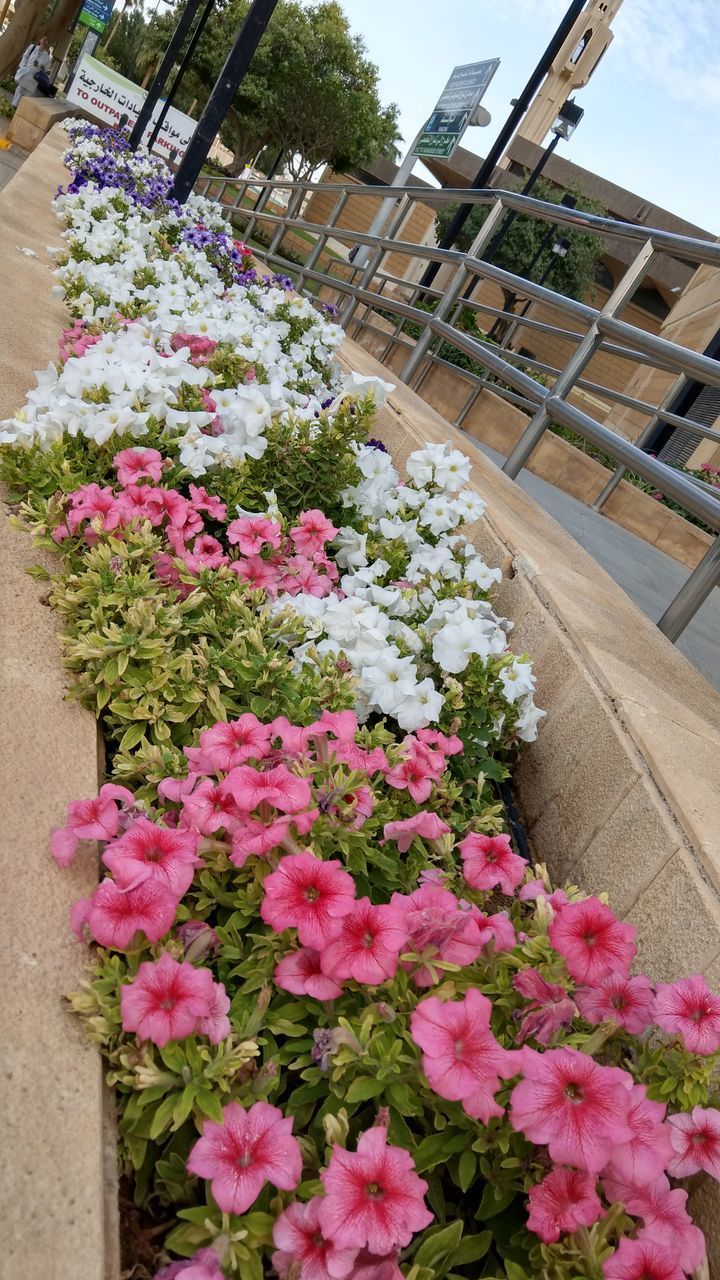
(199,28)
(158,81)
(563,128)
(220,100)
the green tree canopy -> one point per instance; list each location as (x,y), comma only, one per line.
(572,275)
(311,89)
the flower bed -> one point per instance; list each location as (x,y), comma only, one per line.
(351,1033)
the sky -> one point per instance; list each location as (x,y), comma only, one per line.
(652,108)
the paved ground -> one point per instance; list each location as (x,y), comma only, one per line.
(649,577)
(10,160)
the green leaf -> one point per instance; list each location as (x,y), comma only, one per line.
(163,1116)
(438,1243)
(132,736)
(365,1087)
(437,1147)
(210,1105)
(467,1166)
(472,1248)
(494,1200)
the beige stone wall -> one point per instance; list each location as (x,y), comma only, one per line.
(693,323)
(358,214)
(58,1151)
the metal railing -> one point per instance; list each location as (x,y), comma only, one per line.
(587,329)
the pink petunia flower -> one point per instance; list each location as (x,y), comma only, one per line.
(449,745)
(258,574)
(576,1107)
(300,1242)
(204,501)
(96,819)
(592,940)
(301,973)
(424,824)
(203,1265)
(373,1196)
(549,1009)
(643,1260)
(689,1008)
(497,929)
(666,1221)
(565,1200)
(695,1137)
(374,1266)
(216,1024)
(310,895)
(115,915)
(246,1150)
(251,533)
(367,946)
(628,1001)
(209,808)
(148,852)
(135,463)
(417,771)
(226,746)
(165,1000)
(312,531)
(438,928)
(461,1057)
(489,861)
(645,1155)
(252,837)
(278,787)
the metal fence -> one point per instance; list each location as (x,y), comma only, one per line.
(367,287)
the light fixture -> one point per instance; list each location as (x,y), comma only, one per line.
(568,119)
(560,247)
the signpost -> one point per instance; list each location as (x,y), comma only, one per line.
(457,102)
(95,14)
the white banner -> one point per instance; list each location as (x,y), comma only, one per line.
(107,95)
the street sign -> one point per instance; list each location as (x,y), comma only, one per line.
(95,14)
(460,97)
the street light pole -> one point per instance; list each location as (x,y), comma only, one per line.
(220,100)
(484,175)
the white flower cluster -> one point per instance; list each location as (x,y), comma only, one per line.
(401,625)
(120,256)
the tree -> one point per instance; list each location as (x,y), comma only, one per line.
(572,275)
(311,89)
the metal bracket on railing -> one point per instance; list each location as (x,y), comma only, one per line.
(582,355)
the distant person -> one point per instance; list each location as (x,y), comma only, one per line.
(31,76)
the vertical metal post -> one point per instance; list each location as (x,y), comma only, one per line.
(582,355)
(294,203)
(374,261)
(226,86)
(322,240)
(642,439)
(449,298)
(704,577)
(257,209)
(192,46)
(158,81)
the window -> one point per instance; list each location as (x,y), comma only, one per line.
(648,299)
(581,47)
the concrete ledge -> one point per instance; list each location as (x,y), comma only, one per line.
(57,1192)
(35,117)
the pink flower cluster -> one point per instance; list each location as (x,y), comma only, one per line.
(76,340)
(266,559)
(373,1202)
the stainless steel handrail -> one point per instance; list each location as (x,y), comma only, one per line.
(601,329)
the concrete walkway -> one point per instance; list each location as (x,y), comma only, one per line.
(11,159)
(647,575)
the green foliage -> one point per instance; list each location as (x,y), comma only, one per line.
(311,90)
(572,275)
(159,667)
